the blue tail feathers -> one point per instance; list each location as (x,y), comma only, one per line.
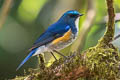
(29,56)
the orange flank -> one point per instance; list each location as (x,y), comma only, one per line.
(64,38)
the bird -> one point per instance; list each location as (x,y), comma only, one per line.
(59,35)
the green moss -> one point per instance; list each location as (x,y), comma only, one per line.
(103,61)
(20,78)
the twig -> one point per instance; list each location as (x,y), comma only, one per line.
(4,12)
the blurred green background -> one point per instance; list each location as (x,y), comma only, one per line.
(27,19)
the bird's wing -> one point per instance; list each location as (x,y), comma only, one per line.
(48,36)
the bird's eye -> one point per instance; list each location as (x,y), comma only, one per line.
(72,15)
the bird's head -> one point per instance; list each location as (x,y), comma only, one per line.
(70,16)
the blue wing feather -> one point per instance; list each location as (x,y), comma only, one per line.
(53,32)
(29,56)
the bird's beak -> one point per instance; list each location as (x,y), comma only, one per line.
(81,14)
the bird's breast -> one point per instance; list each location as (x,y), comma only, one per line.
(63,41)
(64,38)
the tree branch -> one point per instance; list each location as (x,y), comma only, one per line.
(4,12)
(109,34)
(117,18)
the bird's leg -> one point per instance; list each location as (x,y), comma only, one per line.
(72,54)
(60,53)
(53,56)
(41,61)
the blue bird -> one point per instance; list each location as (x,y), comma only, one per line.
(58,35)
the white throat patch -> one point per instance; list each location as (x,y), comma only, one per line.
(77,23)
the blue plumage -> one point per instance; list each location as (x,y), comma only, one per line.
(55,31)
(29,55)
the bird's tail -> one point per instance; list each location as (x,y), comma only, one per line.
(29,56)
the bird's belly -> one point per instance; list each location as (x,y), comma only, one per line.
(62,43)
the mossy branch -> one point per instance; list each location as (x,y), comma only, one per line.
(109,34)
